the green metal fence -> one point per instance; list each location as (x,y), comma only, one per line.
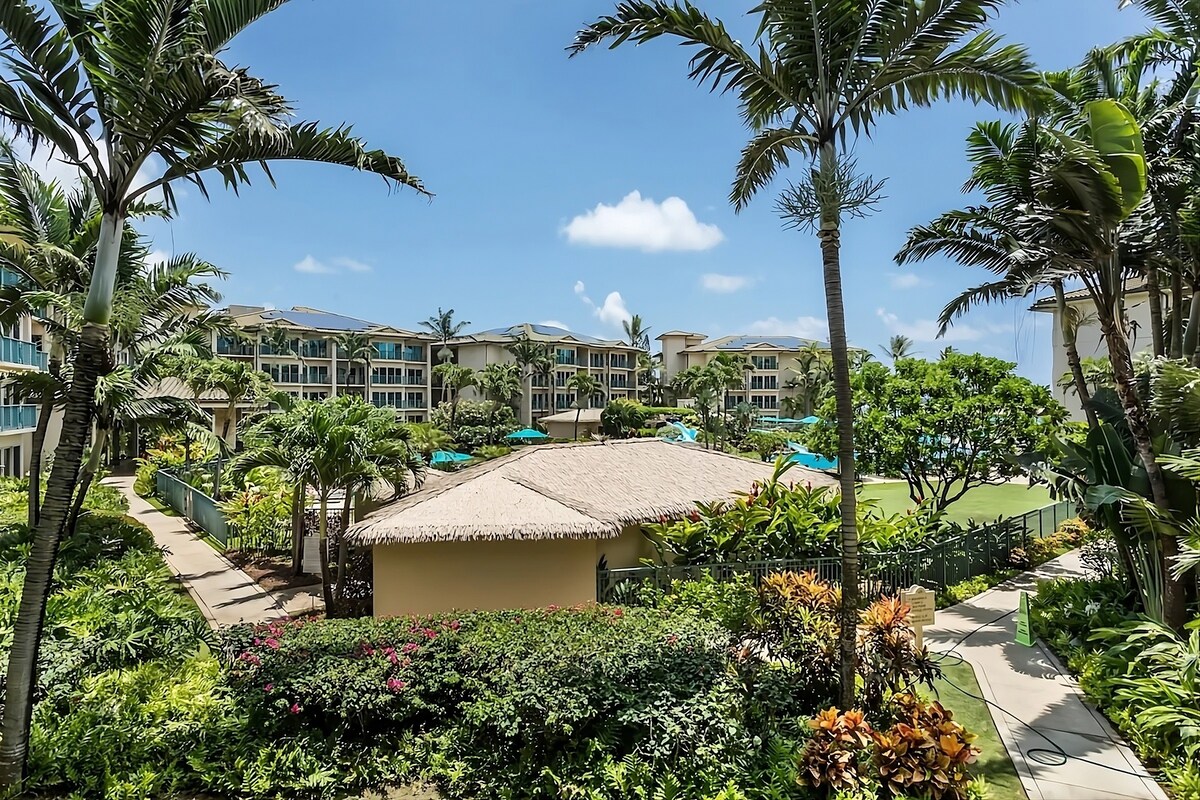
(193,504)
(943,563)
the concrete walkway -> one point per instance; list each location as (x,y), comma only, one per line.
(1043,707)
(224,593)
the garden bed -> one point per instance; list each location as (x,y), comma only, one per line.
(273,573)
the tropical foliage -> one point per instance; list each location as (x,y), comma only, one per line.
(945,426)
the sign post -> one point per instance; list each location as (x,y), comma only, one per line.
(922,610)
(1024,632)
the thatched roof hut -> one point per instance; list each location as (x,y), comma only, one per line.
(589,490)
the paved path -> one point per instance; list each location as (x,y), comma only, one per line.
(224,593)
(1030,684)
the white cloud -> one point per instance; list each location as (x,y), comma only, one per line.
(50,164)
(926,330)
(642,224)
(553,323)
(611,312)
(157,257)
(724,284)
(310,266)
(352,265)
(804,327)
(904,280)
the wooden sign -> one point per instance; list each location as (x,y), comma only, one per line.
(1024,632)
(922,610)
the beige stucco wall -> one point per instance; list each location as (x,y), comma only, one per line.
(566,430)
(627,550)
(435,577)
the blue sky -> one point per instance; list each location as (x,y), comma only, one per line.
(521,147)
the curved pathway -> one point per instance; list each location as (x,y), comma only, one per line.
(1036,704)
(225,594)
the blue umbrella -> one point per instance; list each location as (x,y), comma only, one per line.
(527,434)
(448,457)
(810,420)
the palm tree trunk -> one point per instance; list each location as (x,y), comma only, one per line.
(1156,311)
(1176,314)
(91,356)
(343,552)
(47,535)
(1174,599)
(1069,339)
(95,458)
(829,236)
(323,555)
(39,443)
(529,397)
(1191,333)
(297,528)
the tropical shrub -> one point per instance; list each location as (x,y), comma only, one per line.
(168,454)
(926,753)
(621,417)
(261,511)
(889,660)
(778,519)
(837,756)
(471,422)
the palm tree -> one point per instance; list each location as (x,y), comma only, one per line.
(88,82)
(532,357)
(899,346)
(585,385)
(455,378)
(354,348)
(637,333)
(814,78)
(240,383)
(428,438)
(443,326)
(500,383)
(280,341)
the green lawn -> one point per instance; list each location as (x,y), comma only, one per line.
(994,765)
(983,503)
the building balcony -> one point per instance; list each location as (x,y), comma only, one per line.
(26,354)
(397,381)
(226,347)
(18,418)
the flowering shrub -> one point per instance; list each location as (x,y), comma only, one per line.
(888,658)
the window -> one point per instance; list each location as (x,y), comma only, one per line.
(561,378)
(596,360)
(619,381)
(10,461)
(562,401)
(540,381)
(619,360)
(387,399)
(733,400)
(314,348)
(764,401)
(233,346)
(413,352)
(267,349)
(764,381)
(765,362)
(539,402)
(414,400)
(316,375)
(315,395)
(283,373)
(564,356)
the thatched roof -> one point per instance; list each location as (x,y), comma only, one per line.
(587,490)
(588,415)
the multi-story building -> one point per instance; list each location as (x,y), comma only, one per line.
(313,367)
(770,361)
(612,363)
(19,352)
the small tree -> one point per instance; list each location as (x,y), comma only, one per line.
(945,426)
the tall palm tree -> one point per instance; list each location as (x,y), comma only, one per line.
(899,346)
(282,342)
(354,348)
(816,76)
(584,385)
(443,326)
(532,357)
(637,333)
(455,378)
(115,87)
(500,384)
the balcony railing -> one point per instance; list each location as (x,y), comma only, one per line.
(228,348)
(14,351)
(405,380)
(16,418)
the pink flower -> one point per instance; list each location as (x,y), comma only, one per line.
(394,685)
(295,709)
(618,612)
(409,648)
(268,687)
(390,654)
(250,658)
(272,643)
(552,607)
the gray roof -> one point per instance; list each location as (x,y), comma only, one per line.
(744,342)
(543,333)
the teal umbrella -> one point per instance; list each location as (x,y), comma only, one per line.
(810,420)
(448,457)
(529,434)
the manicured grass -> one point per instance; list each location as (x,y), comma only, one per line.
(982,504)
(994,765)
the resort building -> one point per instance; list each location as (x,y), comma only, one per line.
(537,527)
(770,363)
(1089,341)
(611,362)
(315,366)
(20,351)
